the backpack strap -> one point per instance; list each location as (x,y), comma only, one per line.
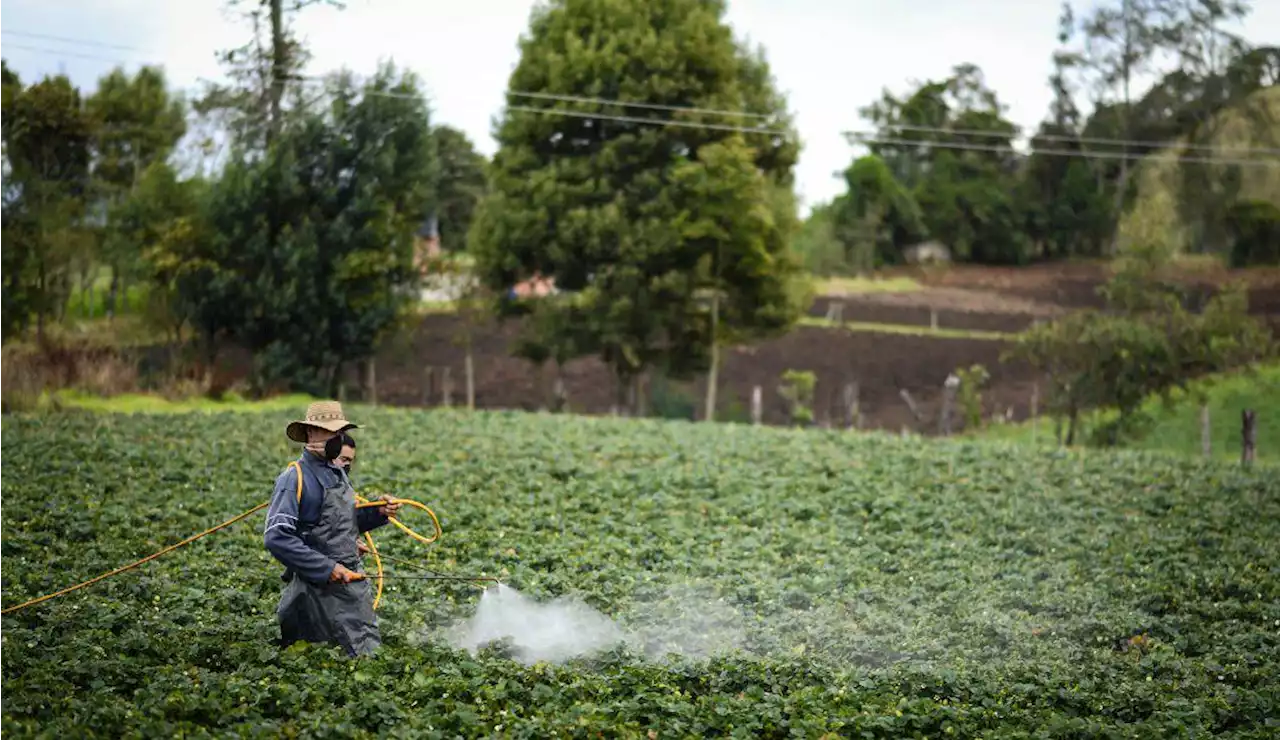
(298,467)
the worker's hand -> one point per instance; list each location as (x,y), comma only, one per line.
(390,508)
(361,547)
(343,574)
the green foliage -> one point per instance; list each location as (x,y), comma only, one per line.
(970,394)
(1255,232)
(138,124)
(1173,423)
(966,197)
(1071,594)
(461,185)
(637,220)
(1067,214)
(736,229)
(797,387)
(876,218)
(152,219)
(948,143)
(305,256)
(815,244)
(1146,343)
(47,135)
(668,400)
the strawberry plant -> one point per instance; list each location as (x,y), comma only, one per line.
(785,583)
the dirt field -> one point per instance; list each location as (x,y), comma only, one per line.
(989,299)
(881,364)
(1010,299)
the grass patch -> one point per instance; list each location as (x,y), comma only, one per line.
(859,285)
(90,302)
(905,329)
(145,403)
(122,331)
(433,308)
(1175,427)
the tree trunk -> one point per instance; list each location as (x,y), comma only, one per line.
(1206,434)
(113,292)
(41,283)
(1122,184)
(468,369)
(559,396)
(622,393)
(279,65)
(713,374)
(638,407)
(1248,436)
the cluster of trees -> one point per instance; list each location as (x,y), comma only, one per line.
(298,243)
(666,234)
(1146,342)
(942,163)
(667,230)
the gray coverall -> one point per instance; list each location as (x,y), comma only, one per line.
(308,537)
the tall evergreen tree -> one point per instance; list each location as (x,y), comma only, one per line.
(582,192)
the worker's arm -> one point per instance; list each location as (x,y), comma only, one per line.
(370,518)
(281,532)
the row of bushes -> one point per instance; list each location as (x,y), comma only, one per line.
(37,371)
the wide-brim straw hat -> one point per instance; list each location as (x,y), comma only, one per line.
(325,415)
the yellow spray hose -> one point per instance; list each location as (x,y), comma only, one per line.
(373,549)
(363,503)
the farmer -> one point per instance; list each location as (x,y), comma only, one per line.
(313,532)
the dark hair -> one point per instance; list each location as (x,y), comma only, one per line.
(347,440)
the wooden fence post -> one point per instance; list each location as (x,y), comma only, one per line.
(559,397)
(933,319)
(1248,434)
(911,404)
(851,411)
(1035,411)
(470,375)
(371,381)
(949,388)
(757,404)
(1206,433)
(446,387)
(428,385)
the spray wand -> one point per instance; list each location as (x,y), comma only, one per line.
(430,575)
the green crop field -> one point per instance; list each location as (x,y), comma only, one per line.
(808,583)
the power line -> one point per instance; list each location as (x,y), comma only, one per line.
(1148,143)
(1136,143)
(75,54)
(630,104)
(871,139)
(650,121)
(593,116)
(66,40)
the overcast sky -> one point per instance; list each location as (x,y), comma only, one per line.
(831,57)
